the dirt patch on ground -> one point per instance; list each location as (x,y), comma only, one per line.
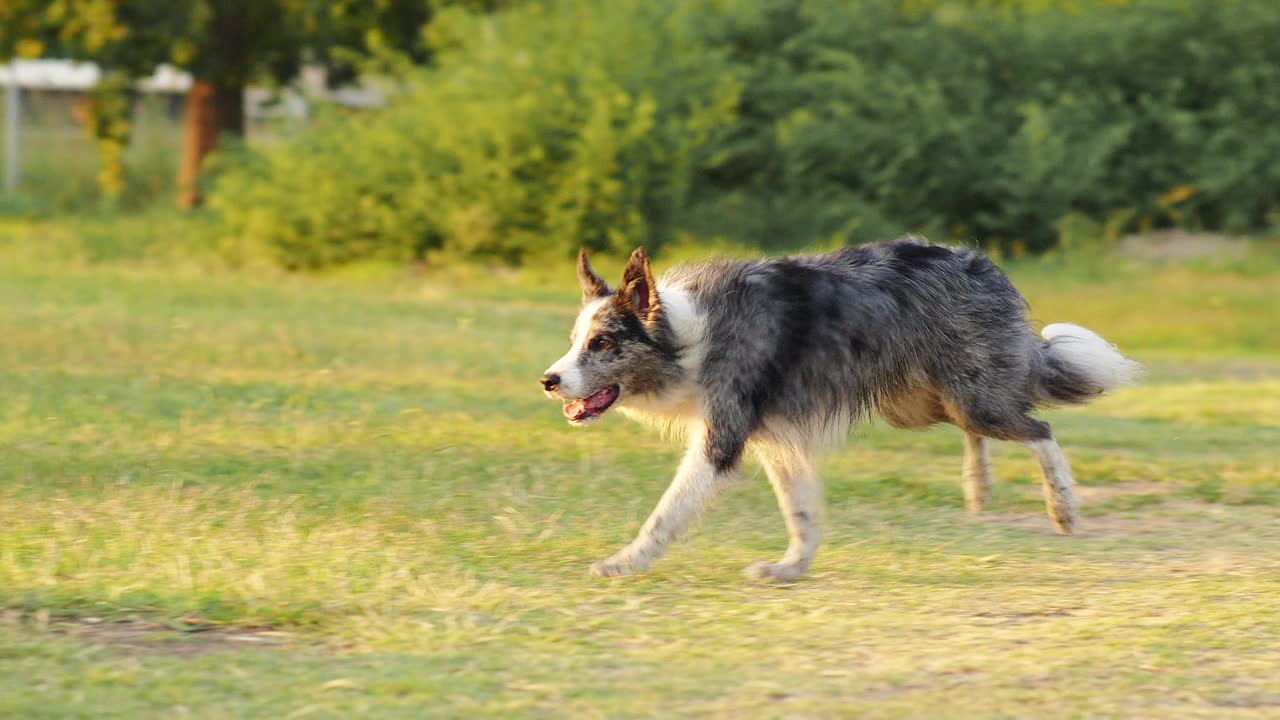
(135,637)
(1172,516)
(1103,512)
(1098,493)
(1179,245)
(1205,371)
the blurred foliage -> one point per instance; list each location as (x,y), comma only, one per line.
(768,123)
(783,124)
(230,42)
(110,107)
(543,129)
(993,125)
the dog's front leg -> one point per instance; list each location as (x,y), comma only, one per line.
(696,481)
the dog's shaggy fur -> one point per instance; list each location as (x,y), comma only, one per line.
(778,357)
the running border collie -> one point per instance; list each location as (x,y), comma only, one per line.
(778,357)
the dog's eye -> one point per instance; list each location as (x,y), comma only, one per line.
(600,344)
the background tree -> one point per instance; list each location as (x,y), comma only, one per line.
(224,44)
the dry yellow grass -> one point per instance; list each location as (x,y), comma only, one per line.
(241,496)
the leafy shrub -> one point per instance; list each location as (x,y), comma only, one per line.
(992,125)
(780,124)
(545,130)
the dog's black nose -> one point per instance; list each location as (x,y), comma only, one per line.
(550,382)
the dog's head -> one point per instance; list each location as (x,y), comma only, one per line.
(619,346)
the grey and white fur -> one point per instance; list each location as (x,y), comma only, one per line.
(776,358)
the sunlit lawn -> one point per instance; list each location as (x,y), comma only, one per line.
(245,495)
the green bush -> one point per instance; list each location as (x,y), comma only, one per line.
(991,125)
(781,124)
(541,131)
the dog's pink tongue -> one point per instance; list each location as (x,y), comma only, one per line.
(575,409)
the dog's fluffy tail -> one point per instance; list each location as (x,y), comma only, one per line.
(1077,365)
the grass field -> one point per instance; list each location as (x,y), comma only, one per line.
(245,495)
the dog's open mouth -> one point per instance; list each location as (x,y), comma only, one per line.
(592,406)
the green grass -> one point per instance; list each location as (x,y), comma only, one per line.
(249,495)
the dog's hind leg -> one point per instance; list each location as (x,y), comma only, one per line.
(976,475)
(985,416)
(799,491)
(1059,485)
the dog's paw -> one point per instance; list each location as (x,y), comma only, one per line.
(611,568)
(783,572)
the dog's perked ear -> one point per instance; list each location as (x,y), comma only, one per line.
(593,286)
(638,293)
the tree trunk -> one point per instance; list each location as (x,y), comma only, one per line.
(211,111)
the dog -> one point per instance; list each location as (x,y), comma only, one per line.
(777,358)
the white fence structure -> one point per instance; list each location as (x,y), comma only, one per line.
(64,76)
(72,78)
